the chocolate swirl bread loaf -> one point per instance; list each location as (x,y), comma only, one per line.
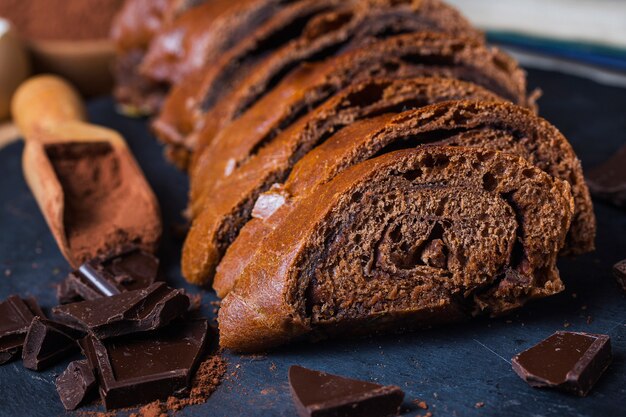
(246,162)
(497,126)
(423,53)
(355,165)
(407,239)
(303,31)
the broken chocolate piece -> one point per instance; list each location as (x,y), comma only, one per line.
(66,293)
(75,384)
(608,181)
(129,312)
(46,342)
(131,269)
(567,361)
(15,317)
(149,366)
(320,394)
(619,272)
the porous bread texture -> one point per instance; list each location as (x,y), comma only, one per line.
(247,160)
(389,241)
(498,126)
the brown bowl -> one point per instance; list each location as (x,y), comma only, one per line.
(87,63)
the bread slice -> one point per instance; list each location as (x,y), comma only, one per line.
(249,160)
(408,239)
(308,30)
(497,126)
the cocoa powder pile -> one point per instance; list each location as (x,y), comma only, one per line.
(61,19)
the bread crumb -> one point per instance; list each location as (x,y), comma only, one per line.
(421,404)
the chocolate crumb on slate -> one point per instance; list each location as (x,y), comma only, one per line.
(567,361)
(75,384)
(619,272)
(320,394)
(195,302)
(16,315)
(47,342)
(421,404)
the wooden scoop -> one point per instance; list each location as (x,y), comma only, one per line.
(87,184)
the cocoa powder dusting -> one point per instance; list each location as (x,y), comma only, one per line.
(207,379)
(61,19)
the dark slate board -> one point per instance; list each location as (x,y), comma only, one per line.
(451,368)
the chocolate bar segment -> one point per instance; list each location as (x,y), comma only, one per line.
(608,181)
(47,342)
(144,367)
(131,269)
(75,384)
(320,394)
(619,272)
(15,317)
(567,361)
(129,312)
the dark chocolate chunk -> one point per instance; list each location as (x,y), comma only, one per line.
(129,270)
(46,342)
(66,293)
(149,366)
(567,361)
(129,312)
(15,317)
(619,272)
(76,384)
(608,181)
(320,394)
